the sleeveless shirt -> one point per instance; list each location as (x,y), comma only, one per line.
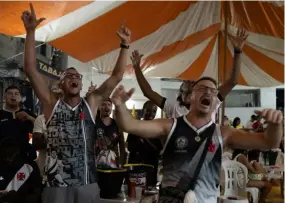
(181,152)
(70,146)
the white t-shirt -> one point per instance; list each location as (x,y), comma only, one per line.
(173,109)
(40,127)
(249,125)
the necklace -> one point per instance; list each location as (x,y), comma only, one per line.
(197,138)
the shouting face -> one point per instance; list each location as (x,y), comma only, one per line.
(204,97)
(13,97)
(149,111)
(105,109)
(71,82)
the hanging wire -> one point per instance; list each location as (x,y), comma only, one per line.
(7,59)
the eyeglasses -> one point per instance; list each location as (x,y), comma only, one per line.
(12,93)
(71,75)
(202,88)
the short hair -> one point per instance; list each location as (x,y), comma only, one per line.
(148,103)
(63,73)
(206,78)
(12,87)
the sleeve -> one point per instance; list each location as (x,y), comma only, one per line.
(168,107)
(38,125)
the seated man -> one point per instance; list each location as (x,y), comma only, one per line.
(20,180)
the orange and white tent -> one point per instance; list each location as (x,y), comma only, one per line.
(178,39)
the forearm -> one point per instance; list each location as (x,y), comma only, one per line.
(121,64)
(32,119)
(230,83)
(124,119)
(30,53)
(235,71)
(144,85)
(273,135)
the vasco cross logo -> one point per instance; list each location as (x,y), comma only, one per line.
(181,142)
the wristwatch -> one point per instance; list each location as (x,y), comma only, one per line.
(123,46)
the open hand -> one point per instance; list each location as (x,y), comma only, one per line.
(30,20)
(120,96)
(136,58)
(239,40)
(272,116)
(124,34)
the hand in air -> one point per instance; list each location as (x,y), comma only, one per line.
(239,40)
(30,20)
(136,59)
(91,88)
(271,116)
(124,34)
(120,96)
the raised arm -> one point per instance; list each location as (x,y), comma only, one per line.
(231,82)
(144,85)
(147,129)
(270,139)
(104,91)
(42,92)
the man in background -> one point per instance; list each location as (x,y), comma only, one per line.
(144,150)
(180,106)
(109,136)
(15,121)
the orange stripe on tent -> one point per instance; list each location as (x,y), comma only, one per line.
(10,15)
(256,16)
(196,70)
(268,65)
(229,62)
(98,37)
(178,47)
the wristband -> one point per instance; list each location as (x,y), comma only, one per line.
(236,51)
(123,46)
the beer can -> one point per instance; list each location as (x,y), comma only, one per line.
(132,189)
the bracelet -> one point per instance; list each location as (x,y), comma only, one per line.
(123,46)
(236,51)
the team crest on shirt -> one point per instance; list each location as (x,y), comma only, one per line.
(21,176)
(100,132)
(181,142)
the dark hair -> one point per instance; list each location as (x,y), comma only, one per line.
(206,78)
(235,122)
(239,151)
(147,103)
(253,155)
(12,87)
(253,117)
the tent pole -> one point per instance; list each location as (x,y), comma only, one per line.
(225,54)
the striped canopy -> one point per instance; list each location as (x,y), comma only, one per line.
(183,40)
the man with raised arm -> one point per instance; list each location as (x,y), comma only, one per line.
(180,106)
(70,122)
(185,139)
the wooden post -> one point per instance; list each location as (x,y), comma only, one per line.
(225,54)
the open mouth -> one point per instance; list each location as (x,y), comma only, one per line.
(74,84)
(205,102)
(13,100)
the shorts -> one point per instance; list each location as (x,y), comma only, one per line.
(83,194)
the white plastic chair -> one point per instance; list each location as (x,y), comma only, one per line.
(227,156)
(234,186)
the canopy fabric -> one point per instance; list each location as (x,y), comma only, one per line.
(178,39)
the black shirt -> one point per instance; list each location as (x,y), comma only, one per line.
(9,126)
(107,137)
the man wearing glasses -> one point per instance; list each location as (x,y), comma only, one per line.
(70,121)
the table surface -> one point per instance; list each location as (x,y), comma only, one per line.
(122,198)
